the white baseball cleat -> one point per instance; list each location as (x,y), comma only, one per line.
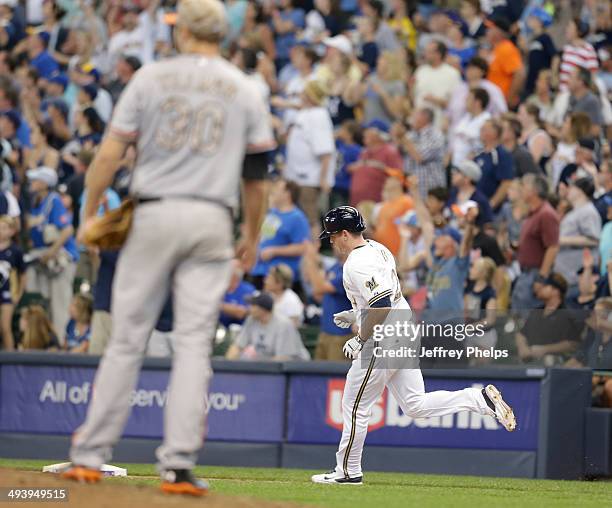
(498,408)
(334,478)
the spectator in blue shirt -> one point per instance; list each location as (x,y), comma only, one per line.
(496,165)
(347,152)
(465,176)
(286,22)
(54,246)
(78,330)
(9,101)
(445,284)
(284,234)
(40,58)
(328,289)
(235,306)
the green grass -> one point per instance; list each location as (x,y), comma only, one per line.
(382,490)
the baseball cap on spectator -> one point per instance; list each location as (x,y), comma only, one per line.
(449,231)
(462,209)
(60,79)
(263,300)
(557,281)
(542,15)
(341,43)
(409,219)
(586,185)
(498,21)
(43,174)
(470,169)
(13,117)
(89,69)
(315,92)
(91,90)
(380,125)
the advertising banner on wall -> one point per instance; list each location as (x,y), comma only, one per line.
(53,400)
(315,416)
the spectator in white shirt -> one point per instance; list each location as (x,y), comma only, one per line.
(136,38)
(475,77)
(435,81)
(465,137)
(287,303)
(303,59)
(310,151)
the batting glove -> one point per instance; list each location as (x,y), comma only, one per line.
(345,319)
(352,347)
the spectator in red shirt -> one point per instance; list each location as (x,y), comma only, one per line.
(370,171)
(538,243)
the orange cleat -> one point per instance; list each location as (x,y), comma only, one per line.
(82,474)
(182,481)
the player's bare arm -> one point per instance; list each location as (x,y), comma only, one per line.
(102,171)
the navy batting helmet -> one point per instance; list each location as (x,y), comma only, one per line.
(342,218)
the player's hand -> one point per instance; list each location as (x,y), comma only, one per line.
(83,228)
(246,253)
(345,318)
(352,347)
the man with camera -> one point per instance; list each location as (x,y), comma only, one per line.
(52,260)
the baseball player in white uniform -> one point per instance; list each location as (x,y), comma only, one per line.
(200,127)
(370,280)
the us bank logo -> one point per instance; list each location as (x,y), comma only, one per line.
(386,412)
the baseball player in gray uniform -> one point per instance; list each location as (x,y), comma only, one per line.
(199,126)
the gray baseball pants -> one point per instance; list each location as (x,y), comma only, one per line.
(180,245)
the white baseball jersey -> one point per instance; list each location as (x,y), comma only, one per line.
(369,275)
(192,117)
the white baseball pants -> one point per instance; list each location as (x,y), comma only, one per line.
(363,388)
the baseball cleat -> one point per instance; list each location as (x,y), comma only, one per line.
(182,481)
(82,474)
(333,478)
(498,408)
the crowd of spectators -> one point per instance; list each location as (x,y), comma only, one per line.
(413,112)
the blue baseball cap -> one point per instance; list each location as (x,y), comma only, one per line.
(541,14)
(379,125)
(449,231)
(59,79)
(408,219)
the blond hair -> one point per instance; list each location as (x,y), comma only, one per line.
(396,65)
(39,330)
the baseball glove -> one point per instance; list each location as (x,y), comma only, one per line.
(110,231)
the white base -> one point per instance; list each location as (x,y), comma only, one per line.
(106,469)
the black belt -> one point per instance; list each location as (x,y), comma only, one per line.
(140,200)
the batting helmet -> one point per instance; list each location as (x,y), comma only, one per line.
(342,218)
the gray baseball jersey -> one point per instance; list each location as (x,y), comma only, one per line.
(190,116)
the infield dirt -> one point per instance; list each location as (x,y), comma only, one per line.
(111,494)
